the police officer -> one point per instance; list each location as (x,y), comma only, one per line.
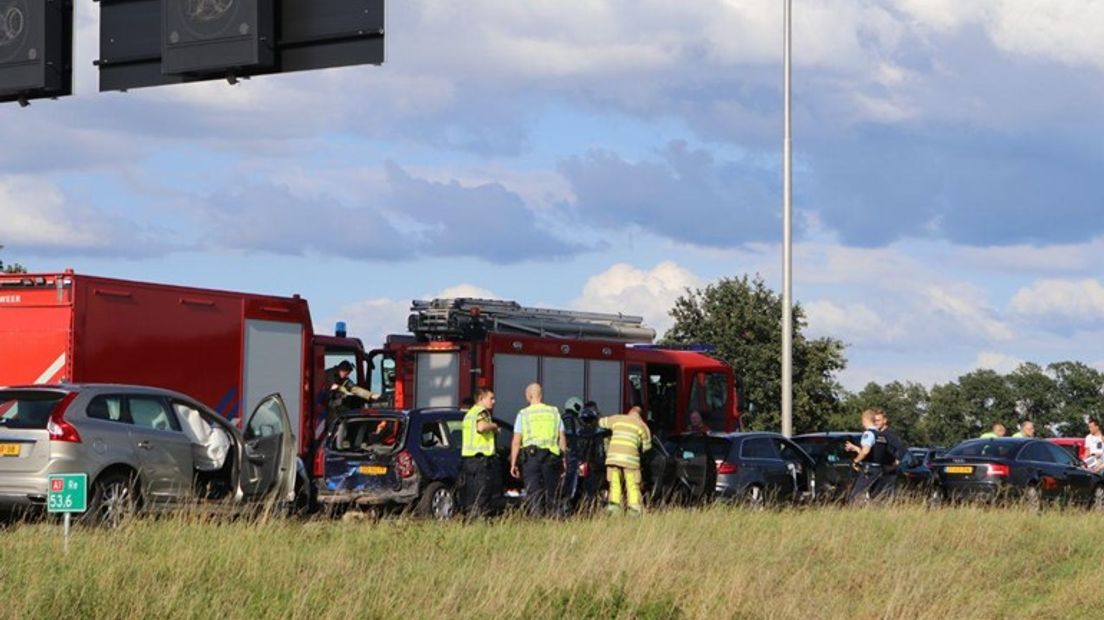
(893,448)
(538,437)
(868,459)
(478,462)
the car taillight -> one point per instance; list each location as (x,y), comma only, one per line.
(319,462)
(584,469)
(996,469)
(404,464)
(57,427)
(725,468)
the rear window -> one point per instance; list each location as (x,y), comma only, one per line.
(694,446)
(368,434)
(27,409)
(999,449)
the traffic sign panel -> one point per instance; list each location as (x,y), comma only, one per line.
(68,493)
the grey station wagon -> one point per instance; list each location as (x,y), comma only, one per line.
(142,449)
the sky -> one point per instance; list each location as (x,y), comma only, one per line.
(609,154)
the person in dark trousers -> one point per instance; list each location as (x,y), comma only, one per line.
(886,484)
(478,461)
(539,438)
(867,461)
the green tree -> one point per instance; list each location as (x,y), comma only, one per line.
(742,317)
(11,267)
(1079,394)
(1036,397)
(906,404)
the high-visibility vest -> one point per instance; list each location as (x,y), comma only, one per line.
(630,436)
(476,443)
(540,427)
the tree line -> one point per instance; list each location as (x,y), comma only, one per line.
(741,317)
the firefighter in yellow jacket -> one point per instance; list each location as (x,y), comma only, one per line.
(630,438)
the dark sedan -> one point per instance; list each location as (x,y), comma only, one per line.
(752,467)
(1032,469)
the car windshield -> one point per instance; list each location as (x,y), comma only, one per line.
(998,449)
(368,434)
(27,409)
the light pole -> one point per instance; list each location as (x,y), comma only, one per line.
(787,231)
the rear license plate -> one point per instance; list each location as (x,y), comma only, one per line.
(373,470)
(9,449)
(959,469)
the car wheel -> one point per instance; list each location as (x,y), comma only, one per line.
(114,500)
(438,501)
(935,499)
(753,497)
(1033,498)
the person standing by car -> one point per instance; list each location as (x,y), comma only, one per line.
(1094,447)
(539,438)
(892,452)
(868,458)
(478,462)
(997,432)
(630,437)
(1027,429)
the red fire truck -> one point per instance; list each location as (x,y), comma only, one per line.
(458,345)
(227,349)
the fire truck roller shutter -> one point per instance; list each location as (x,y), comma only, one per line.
(562,379)
(511,374)
(604,381)
(438,383)
(274,364)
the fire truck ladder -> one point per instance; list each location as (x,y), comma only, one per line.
(467,317)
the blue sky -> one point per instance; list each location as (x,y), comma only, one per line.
(606,154)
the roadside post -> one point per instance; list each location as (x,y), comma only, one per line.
(68,494)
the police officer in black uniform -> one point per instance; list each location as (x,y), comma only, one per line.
(868,459)
(892,451)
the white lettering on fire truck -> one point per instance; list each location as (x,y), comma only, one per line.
(10,299)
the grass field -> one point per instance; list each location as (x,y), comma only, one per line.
(902,562)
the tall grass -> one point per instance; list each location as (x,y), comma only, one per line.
(901,562)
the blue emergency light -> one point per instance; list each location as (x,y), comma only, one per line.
(339,329)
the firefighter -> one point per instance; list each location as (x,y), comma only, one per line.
(479,464)
(629,439)
(340,386)
(540,441)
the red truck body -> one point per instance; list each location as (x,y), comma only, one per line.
(226,349)
(423,371)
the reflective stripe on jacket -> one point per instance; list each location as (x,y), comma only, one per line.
(476,443)
(630,437)
(540,426)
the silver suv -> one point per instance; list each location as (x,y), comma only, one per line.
(142,448)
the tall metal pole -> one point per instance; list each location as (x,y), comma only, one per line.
(787,233)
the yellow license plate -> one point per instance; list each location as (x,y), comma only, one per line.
(9,449)
(959,469)
(373,470)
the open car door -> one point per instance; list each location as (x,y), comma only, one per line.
(269,451)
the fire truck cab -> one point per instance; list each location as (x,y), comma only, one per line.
(456,346)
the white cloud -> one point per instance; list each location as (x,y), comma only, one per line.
(854,323)
(36,216)
(649,293)
(993,360)
(1075,300)
(466,290)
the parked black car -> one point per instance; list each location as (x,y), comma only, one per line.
(1032,469)
(915,472)
(399,459)
(752,467)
